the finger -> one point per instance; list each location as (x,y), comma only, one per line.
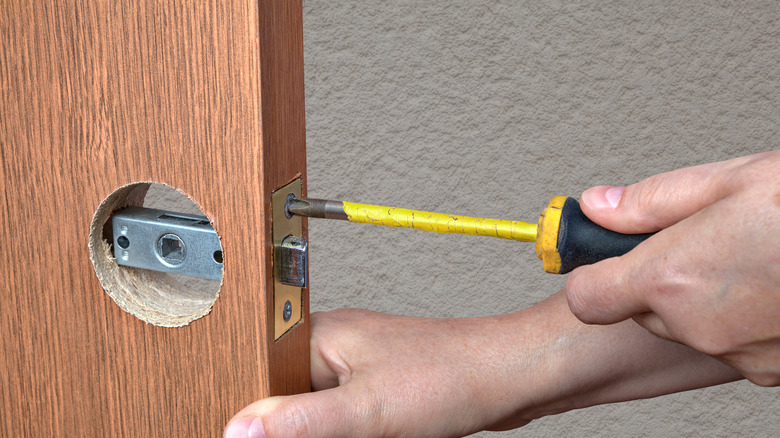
(333,412)
(601,293)
(659,201)
(652,277)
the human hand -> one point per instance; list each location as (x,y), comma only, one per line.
(710,278)
(385,375)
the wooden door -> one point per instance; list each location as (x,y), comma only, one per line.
(206,97)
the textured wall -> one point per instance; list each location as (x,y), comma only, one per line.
(489,108)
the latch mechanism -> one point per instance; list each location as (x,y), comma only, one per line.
(293,260)
(185,244)
(291,256)
(166,241)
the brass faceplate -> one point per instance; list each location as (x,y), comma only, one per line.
(281,227)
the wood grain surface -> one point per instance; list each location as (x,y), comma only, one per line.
(204,96)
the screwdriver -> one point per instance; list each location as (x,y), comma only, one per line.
(565,238)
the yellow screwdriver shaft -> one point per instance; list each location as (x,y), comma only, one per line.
(415,219)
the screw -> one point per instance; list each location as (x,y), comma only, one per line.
(287,213)
(287,314)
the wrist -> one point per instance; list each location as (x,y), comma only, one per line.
(557,363)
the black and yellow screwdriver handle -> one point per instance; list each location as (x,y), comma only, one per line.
(567,239)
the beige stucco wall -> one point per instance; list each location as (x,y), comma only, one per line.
(489,108)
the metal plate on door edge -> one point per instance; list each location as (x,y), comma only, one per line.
(288,299)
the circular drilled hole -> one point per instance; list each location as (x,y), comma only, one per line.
(217,256)
(159,298)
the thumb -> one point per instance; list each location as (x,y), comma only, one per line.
(660,201)
(319,414)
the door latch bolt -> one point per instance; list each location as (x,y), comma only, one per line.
(293,260)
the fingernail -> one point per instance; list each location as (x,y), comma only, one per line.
(614,194)
(245,428)
(603,197)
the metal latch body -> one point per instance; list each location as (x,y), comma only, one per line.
(166,241)
(290,258)
(293,256)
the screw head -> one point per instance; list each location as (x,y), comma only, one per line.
(287,213)
(287,313)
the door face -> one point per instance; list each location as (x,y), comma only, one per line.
(97,96)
